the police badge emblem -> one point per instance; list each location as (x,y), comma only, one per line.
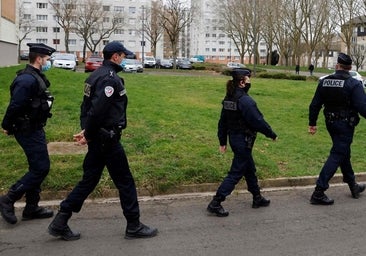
(108,91)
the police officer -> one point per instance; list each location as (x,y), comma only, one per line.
(25,117)
(103,116)
(343,97)
(240,120)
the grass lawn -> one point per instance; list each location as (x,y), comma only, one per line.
(171,137)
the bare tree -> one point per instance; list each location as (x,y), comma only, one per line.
(89,13)
(175,17)
(25,26)
(358,54)
(152,24)
(347,11)
(236,23)
(103,30)
(66,16)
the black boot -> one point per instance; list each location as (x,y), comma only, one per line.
(260,201)
(35,212)
(215,207)
(59,227)
(7,209)
(356,189)
(137,229)
(319,197)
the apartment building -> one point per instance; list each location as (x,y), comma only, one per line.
(45,28)
(8,38)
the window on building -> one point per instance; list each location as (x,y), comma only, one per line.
(106,19)
(132,21)
(105,42)
(207,35)
(27,16)
(106,8)
(131,43)
(42,17)
(213,35)
(70,6)
(56,29)
(221,42)
(56,41)
(119,20)
(41,41)
(27,4)
(221,50)
(213,49)
(41,29)
(42,5)
(131,10)
(221,35)
(26,28)
(118,31)
(207,49)
(119,8)
(72,41)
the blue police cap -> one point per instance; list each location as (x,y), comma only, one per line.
(239,73)
(40,48)
(344,59)
(116,46)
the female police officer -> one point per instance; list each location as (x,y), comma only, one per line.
(240,120)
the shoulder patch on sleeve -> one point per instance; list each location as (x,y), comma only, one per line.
(108,90)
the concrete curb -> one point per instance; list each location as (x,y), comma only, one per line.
(268,184)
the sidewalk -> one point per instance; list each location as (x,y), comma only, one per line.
(289,226)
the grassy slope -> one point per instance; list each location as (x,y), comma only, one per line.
(171,135)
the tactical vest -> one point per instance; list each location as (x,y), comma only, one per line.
(335,97)
(233,116)
(40,105)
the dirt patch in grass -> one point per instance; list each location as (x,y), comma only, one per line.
(65,148)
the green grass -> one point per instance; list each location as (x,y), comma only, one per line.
(171,137)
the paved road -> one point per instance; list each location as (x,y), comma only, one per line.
(290,226)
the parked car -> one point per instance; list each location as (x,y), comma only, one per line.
(184,64)
(354,74)
(149,62)
(65,61)
(235,65)
(132,65)
(164,63)
(92,63)
(24,56)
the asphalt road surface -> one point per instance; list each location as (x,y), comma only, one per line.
(289,226)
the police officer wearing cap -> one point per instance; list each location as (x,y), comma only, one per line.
(26,115)
(240,120)
(343,98)
(103,116)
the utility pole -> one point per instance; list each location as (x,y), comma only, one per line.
(143,36)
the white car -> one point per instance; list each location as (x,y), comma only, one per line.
(235,65)
(65,61)
(149,62)
(132,65)
(354,74)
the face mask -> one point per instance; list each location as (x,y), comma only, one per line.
(247,87)
(47,66)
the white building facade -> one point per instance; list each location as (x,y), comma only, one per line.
(45,28)
(8,38)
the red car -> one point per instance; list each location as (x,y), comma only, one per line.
(92,63)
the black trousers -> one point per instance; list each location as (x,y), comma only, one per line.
(35,148)
(114,158)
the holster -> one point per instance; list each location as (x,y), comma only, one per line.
(109,136)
